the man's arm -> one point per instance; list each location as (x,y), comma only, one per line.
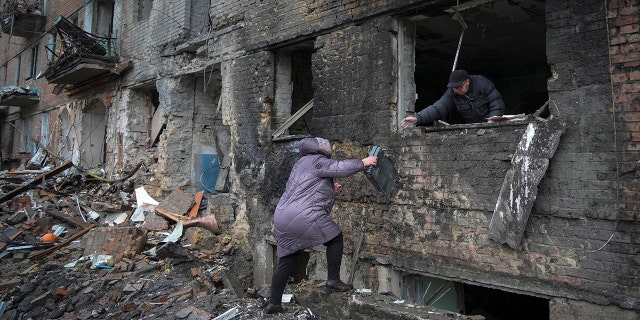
(496,104)
(438,110)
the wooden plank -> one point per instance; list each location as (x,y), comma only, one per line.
(11,238)
(45,253)
(293,119)
(67,218)
(169,214)
(9,195)
(196,207)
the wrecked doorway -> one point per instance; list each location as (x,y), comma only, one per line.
(92,141)
(502,40)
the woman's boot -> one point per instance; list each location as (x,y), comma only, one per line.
(337,286)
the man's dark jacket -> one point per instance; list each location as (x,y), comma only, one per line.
(481,102)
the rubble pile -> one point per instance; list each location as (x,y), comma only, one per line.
(76,246)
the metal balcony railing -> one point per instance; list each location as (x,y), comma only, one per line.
(75,46)
(22,18)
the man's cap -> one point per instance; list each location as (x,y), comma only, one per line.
(457,77)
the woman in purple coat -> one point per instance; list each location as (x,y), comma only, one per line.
(302,219)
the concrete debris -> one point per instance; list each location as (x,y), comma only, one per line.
(116,256)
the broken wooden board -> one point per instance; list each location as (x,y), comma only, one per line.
(9,195)
(177,202)
(78,222)
(520,185)
(196,206)
(11,235)
(45,253)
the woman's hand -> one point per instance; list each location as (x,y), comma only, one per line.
(370,161)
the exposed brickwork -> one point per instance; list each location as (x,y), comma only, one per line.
(624,36)
(349,104)
(116,241)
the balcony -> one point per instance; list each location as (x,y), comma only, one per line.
(82,57)
(18,97)
(22,19)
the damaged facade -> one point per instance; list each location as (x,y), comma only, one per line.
(213,95)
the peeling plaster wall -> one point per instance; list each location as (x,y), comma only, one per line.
(128,130)
(175,147)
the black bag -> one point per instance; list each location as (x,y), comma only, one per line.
(383,175)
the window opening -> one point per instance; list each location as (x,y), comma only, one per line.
(104,21)
(16,71)
(493,45)
(34,62)
(144,9)
(471,299)
(294,90)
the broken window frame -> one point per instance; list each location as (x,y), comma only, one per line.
(286,90)
(33,64)
(295,117)
(95,14)
(406,83)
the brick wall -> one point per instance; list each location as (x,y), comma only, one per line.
(350,104)
(437,222)
(624,37)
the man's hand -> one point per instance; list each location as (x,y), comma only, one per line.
(336,187)
(408,121)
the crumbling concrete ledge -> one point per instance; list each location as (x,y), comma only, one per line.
(367,306)
(376,306)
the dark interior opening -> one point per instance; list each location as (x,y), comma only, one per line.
(299,273)
(503,40)
(496,304)
(301,78)
(492,304)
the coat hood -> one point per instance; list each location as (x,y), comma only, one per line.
(315,146)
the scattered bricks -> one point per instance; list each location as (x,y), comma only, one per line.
(19,203)
(118,242)
(153,222)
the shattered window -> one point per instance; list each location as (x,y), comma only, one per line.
(294,91)
(483,39)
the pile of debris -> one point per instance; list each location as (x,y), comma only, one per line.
(76,246)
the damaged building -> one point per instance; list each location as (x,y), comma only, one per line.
(535,215)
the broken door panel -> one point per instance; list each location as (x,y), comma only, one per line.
(93,135)
(520,185)
(207,169)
